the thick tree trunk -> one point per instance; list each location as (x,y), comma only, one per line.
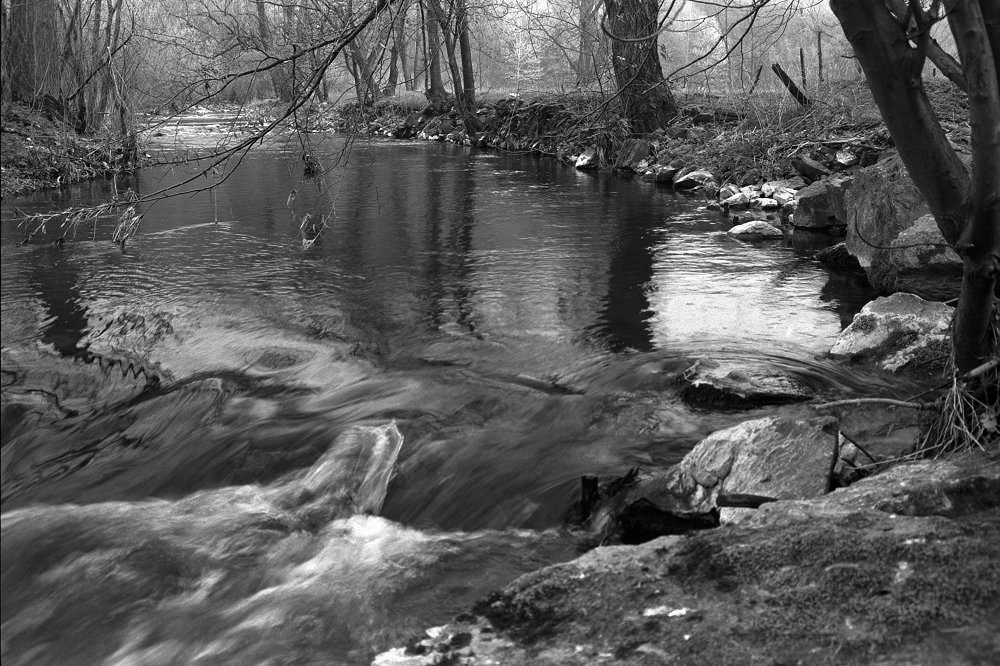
(966,209)
(436,94)
(646,100)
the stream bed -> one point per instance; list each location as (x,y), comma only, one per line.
(243,439)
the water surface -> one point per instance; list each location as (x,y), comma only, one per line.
(186,422)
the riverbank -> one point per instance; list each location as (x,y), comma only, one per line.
(740,140)
(38,152)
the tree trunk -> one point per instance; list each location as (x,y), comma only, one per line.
(436,93)
(586,65)
(33,51)
(465,47)
(646,100)
(966,210)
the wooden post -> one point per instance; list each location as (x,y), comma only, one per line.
(792,88)
(819,53)
(756,79)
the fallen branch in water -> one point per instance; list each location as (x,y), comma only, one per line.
(874,401)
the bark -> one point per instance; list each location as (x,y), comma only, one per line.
(32,50)
(465,47)
(586,65)
(436,93)
(645,98)
(966,209)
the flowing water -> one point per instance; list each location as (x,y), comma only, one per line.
(238,442)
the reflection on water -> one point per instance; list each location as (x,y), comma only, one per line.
(519,321)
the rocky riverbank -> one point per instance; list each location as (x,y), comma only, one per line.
(899,568)
(808,537)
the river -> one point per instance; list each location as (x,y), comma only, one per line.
(235,443)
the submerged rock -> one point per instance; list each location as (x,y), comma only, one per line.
(897,332)
(730,386)
(839,258)
(756,229)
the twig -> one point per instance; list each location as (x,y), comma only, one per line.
(874,401)
(860,448)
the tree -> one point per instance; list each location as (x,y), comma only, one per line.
(646,99)
(891,41)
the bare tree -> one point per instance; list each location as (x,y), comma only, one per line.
(891,42)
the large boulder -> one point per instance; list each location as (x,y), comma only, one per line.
(922,246)
(773,458)
(814,210)
(899,332)
(881,205)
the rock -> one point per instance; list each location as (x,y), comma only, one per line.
(809,168)
(794,183)
(836,189)
(922,246)
(708,383)
(813,209)
(766,203)
(783,195)
(588,159)
(846,158)
(756,229)
(773,457)
(907,555)
(838,258)
(632,153)
(728,190)
(899,332)
(881,203)
(665,174)
(686,180)
(738,200)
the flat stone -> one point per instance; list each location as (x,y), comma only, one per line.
(809,167)
(708,383)
(756,229)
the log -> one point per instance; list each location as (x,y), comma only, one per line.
(792,88)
